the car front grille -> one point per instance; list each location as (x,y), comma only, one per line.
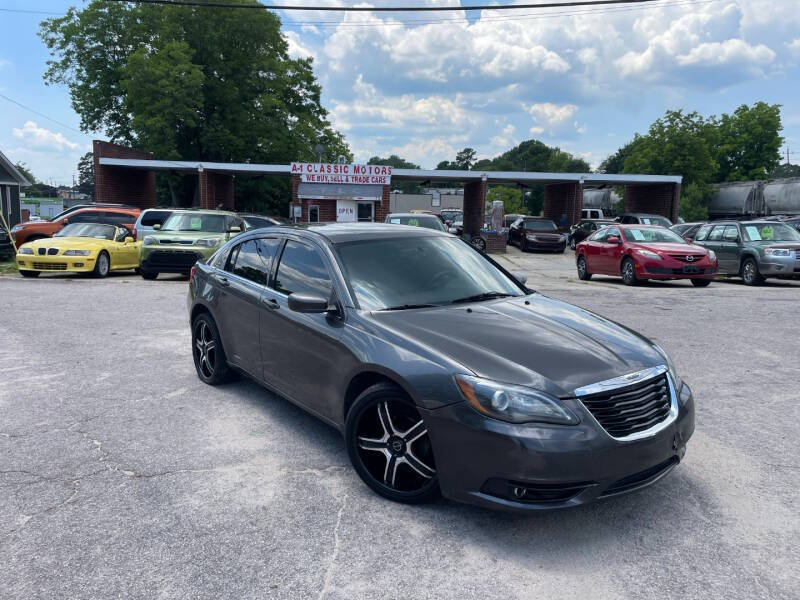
(640,479)
(176,258)
(52,251)
(685,257)
(176,242)
(631,409)
(50,266)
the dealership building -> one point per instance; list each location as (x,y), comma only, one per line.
(323,192)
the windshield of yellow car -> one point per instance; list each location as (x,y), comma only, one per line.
(195,222)
(91,230)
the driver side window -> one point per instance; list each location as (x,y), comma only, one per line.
(122,233)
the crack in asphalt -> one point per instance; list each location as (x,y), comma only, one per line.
(332,562)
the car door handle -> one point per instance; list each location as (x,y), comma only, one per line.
(223,281)
(270,303)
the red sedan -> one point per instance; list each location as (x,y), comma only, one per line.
(640,252)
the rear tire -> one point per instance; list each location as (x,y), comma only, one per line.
(583,269)
(389,446)
(750,274)
(628,270)
(701,282)
(30,273)
(207,351)
(149,275)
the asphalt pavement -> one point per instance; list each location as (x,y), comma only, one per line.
(122,475)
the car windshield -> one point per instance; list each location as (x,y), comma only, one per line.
(652,234)
(770,232)
(256,222)
(663,221)
(420,271)
(540,225)
(427,222)
(92,230)
(195,222)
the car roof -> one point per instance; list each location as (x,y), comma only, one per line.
(204,211)
(408,214)
(119,209)
(638,226)
(337,233)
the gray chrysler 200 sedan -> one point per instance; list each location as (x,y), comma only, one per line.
(444,373)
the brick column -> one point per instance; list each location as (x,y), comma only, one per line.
(563,199)
(658,198)
(474,207)
(382,208)
(123,185)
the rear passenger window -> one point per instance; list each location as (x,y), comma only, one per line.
(716,233)
(731,233)
(702,233)
(302,271)
(249,263)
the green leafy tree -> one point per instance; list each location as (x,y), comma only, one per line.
(25,172)
(748,142)
(86,175)
(465,159)
(615,163)
(511,198)
(693,202)
(446,165)
(193,83)
(786,170)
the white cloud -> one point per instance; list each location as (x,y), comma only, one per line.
(296,48)
(505,139)
(720,53)
(553,114)
(34,136)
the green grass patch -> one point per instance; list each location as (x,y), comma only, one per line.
(8,266)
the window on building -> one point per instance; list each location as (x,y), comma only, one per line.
(313,214)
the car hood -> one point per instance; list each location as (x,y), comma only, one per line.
(184,235)
(671,248)
(65,243)
(546,344)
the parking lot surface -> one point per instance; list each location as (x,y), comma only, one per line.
(122,475)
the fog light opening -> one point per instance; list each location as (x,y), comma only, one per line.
(519,492)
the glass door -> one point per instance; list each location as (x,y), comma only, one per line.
(366,211)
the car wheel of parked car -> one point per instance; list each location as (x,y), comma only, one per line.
(701,282)
(389,447)
(750,274)
(629,272)
(572,243)
(479,243)
(102,265)
(583,271)
(209,356)
(29,273)
(148,274)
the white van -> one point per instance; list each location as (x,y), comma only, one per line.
(592,213)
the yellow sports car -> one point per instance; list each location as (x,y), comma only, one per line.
(80,248)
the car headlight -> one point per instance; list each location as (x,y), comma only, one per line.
(648,254)
(778,252)
(531,237)
(562,238)
(672,371)
(207,242)
(712,256)
(512,403)
(149,240)
(77,253)
(25,250)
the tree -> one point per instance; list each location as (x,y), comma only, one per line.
(615,163)
(748,142)
(693,202)
(786,170)
(25,172)
(193,83)
(465,159)
(86,175)
(446,165)
(394,161)
(511,198)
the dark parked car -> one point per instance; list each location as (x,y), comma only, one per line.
(644,219)
(527,403)
(536,233)
(687,230)
(753,250)
(6,248)
(259,221)
(509,220)
(584,229)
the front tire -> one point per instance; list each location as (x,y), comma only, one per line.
(628,270)
(209,355)
(479,243)
(583,269)
(572,244)
(701,282)
(149,275)
(389,446)
(102,266)
(30,273)
(750,274)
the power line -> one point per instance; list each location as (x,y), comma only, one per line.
(36,112)
(199,4)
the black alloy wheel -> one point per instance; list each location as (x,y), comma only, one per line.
(209,356)
(389,446)
(629,272)
(750,274)
(583,270)
(478,243)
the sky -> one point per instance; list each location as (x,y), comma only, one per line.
(425,85)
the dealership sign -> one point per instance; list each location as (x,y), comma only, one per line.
(336,173)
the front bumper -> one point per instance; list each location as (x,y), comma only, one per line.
(481,461)
(674,269)
(555,246)
(55,264)
(780,266)
(159,259)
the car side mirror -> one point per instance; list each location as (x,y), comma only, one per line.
(613,240)
(157,226)
(128,239)
(521,277)
(235,229)
(308,303)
